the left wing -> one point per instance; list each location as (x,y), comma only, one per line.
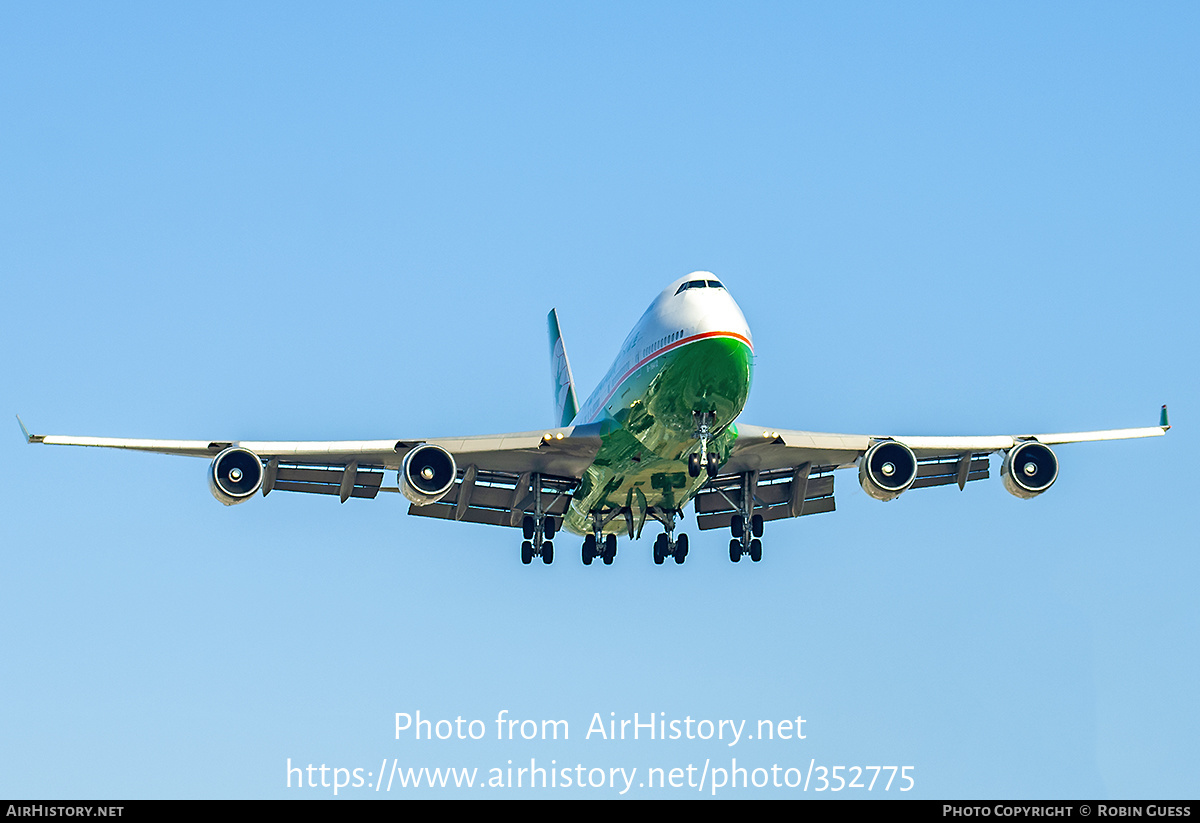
(790,473)
(486,479)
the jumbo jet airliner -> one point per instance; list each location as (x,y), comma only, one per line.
(659,431)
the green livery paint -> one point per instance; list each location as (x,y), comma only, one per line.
(648,429)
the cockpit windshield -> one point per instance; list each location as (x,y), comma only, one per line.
(700,284)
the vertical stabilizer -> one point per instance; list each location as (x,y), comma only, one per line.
(566,404)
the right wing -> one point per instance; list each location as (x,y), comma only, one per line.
(488,479)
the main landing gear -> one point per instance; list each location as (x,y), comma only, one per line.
(598,544)
(746,527)
(537,540)
(704,459)
(746,540)
(605,549)
(665,547)
(666,544)
(538,529)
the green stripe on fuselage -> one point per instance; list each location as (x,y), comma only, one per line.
(651,429)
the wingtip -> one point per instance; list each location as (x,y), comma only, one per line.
(1163,420)
(29,438)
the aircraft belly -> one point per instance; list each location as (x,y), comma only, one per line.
(642,461)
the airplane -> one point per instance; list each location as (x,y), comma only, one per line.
(660,431)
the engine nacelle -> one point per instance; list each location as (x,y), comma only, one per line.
(235,475)
(1029,469)
(887,469)
(427,474)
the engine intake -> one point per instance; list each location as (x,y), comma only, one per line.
(887,469)
(235,475)
(427,474)
(1029,469)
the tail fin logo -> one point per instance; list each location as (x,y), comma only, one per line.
(562,375)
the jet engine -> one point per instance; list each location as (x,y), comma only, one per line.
(236,474)
(887,469)
(427,474)
(1029,469)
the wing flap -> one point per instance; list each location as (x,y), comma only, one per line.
(498,498)
(442,511)
(363,482)
(780,493)
(942,470)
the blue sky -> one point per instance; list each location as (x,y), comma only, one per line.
(309,222)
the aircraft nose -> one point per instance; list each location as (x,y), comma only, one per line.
(716,311)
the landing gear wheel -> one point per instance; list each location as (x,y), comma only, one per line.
(548,527)
(712,464)
(527,526)
(737,526)
(589,549)
(547,552)
(660,549)
(756,525)
(694,465)
(735,550)
(756,550)
(526,552)
(610,549)
(681,549)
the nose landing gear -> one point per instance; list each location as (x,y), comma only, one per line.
(704,459)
